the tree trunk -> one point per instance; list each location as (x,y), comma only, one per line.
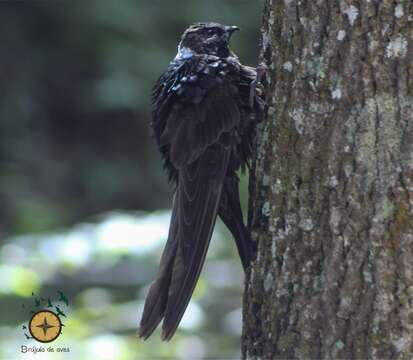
(331,188)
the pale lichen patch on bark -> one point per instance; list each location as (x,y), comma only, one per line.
(341,35)
(352,13)
(397,47)
(398,11)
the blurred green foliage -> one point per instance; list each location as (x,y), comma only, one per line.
(75,84)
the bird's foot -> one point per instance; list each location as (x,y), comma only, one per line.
(256,85)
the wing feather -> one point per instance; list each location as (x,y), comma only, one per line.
(199,139)
(195,234)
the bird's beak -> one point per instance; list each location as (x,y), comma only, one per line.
(231,29)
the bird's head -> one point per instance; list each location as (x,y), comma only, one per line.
(207,38)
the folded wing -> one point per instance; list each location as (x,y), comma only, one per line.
(200,139)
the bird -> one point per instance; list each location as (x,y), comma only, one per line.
(49,303)
(63,298)
(205,107)
(59,311)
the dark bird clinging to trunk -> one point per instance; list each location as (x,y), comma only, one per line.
(204,110)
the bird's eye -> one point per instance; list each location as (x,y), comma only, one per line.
(210,31)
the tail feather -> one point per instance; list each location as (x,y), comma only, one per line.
(156,300)
(193,219)
(184,276)
(231,214)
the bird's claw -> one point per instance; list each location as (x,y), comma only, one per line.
(255,88)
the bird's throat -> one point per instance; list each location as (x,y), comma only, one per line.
(184,53)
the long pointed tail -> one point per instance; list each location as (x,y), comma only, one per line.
(157,297)
(193,219)
(231,214)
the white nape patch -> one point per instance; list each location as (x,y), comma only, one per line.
(352,12)
(341,35)
(398,11)
(397,47)
(184,53)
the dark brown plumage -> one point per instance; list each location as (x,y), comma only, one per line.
(202,122)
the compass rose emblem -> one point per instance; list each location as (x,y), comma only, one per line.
(45,326)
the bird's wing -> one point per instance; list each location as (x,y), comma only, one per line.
(199,138)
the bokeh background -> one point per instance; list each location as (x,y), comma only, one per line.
(84,204)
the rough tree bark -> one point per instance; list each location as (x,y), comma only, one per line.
(332,184)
